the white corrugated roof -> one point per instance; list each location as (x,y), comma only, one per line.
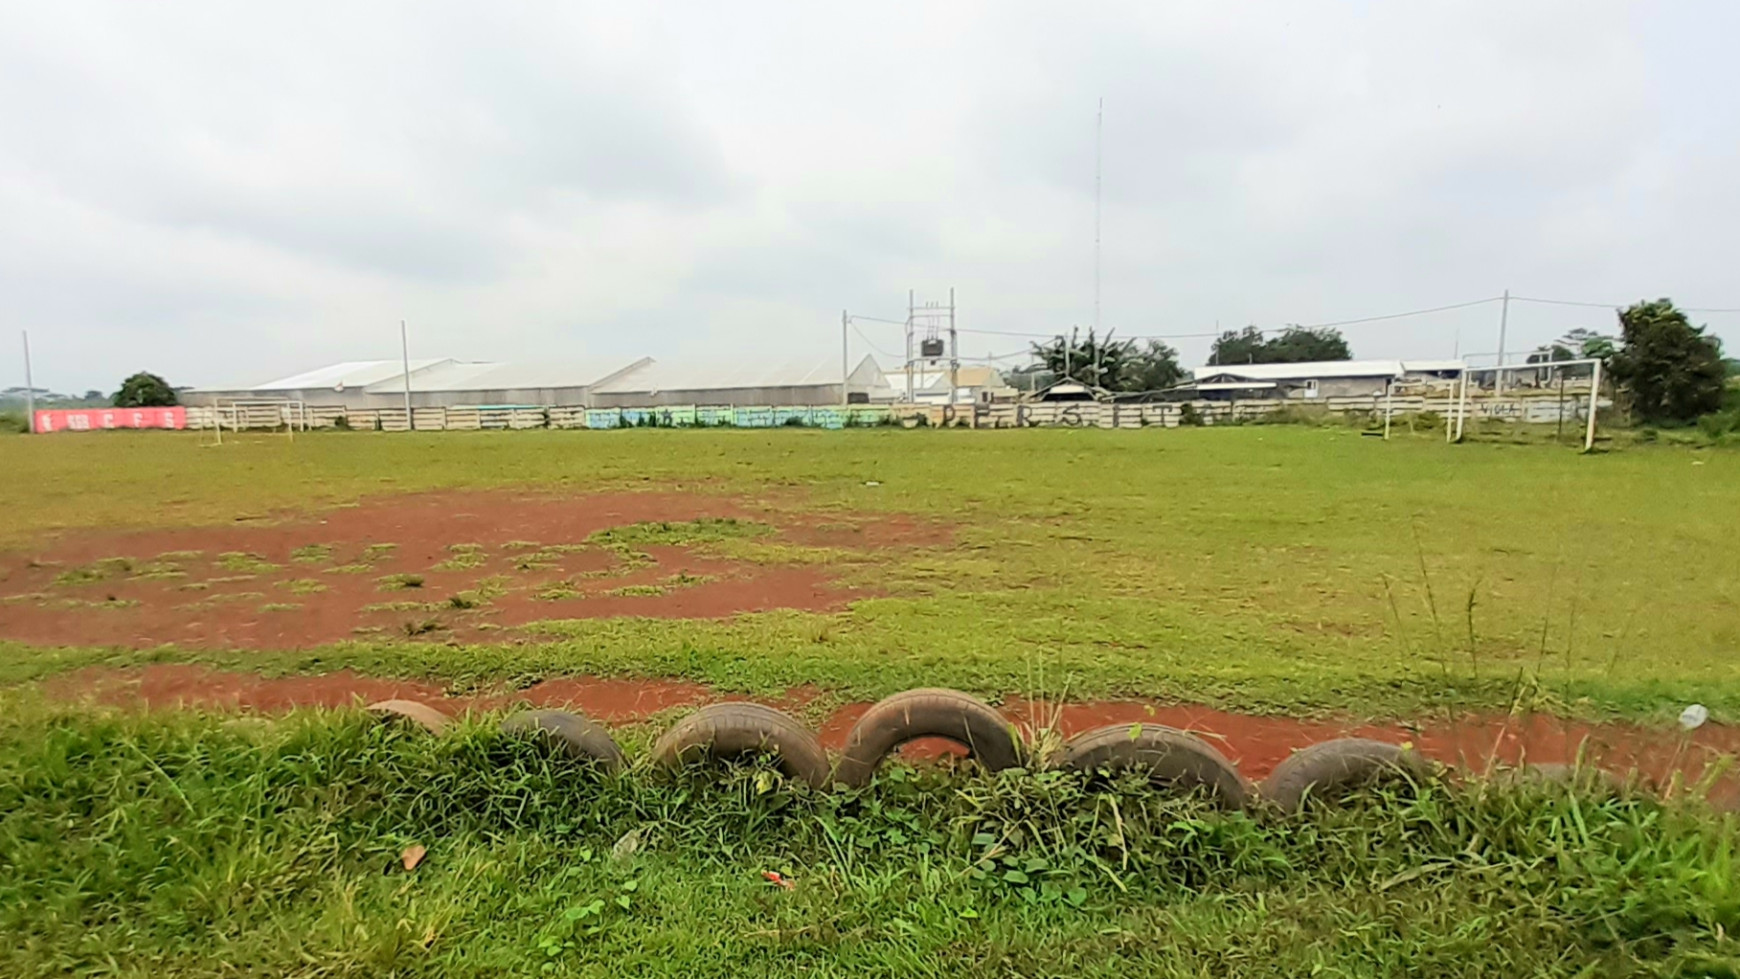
(350,373)
(1434,365)
(659,376)
(1303,371)
(488,375)
(1234,385)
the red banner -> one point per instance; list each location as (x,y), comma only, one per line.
(94,419)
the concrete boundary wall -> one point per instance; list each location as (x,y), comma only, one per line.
(1084,414)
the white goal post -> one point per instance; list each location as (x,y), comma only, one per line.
(260,413)
(1455,425)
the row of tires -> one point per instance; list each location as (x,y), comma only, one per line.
(1168,757)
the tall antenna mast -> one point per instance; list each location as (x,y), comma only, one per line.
(1099,127)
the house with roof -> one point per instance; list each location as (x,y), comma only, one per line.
(1313,379)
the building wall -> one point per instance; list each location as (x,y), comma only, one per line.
(1341,387)
(809,394)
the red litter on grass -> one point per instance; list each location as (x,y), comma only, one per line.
(773,877)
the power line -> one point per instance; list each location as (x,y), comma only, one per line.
(1572,302)
(1025,335)
(868,342)
(1397,316)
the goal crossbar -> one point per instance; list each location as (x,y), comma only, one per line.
(1453,430)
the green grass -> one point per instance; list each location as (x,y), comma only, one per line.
(103,570)
(683,533)
(312,554)
(1269,568)
(191,845)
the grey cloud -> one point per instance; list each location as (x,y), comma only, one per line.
(692,180)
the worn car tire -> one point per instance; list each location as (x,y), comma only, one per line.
(576,735)
(412,711)
(1569,775)
(928,713)
(1169,756)
(1331,769)
(722,731)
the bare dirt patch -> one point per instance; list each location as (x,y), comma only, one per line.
(432,566)
(1256,744)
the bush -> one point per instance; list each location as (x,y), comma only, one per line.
(1671,370)
(14,421)
(1726,420)
(145,390)
(1188,415)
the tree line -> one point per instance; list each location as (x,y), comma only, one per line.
(1666,369)
(1125,366)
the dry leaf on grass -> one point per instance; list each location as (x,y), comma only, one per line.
(413,855)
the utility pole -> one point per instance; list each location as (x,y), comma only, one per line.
(845,372)
(29,388)
(405,352)
(1099,128)
(911,297)
(1503,323)
(954,350)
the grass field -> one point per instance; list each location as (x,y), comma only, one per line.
(1259,568)
(1277,569)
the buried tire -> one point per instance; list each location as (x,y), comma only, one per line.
(1332,769)
(1568,775)
(928,713)
(413,712)
(723,731)
(575,735)
(1168,756)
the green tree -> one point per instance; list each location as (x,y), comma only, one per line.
(1295,344)
(1671,370)
(1092,361)
(1154,367)
(145,390)
(1113,365)
(1244,346)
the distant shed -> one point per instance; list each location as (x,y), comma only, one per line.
(655,384)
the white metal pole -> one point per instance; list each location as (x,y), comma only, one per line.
(954,350)
(1594,401)
(1389,408)
(405,352)
(845,371)
(1450,406)
(1503,324)
(1462,408)
(29,389)
(217,420)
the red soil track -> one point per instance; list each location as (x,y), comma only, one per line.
(286,603)
(1256,744)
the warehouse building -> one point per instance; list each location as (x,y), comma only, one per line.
(448,383)
(655,384)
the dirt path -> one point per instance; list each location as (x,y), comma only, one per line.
(460,565)
(1256,744)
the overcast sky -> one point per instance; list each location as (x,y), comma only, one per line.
(224,193)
